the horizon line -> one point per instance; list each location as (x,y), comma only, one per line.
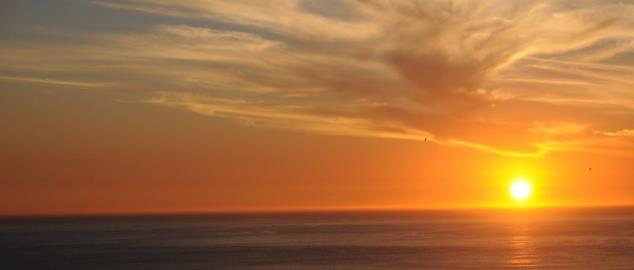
(159,213)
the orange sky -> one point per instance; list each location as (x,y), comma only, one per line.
(155,106)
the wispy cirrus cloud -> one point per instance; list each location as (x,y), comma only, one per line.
(506,77)
(277,16)
(620,133)
(46,81)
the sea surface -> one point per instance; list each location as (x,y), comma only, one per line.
(599,238)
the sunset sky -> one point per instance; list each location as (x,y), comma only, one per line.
(223,105)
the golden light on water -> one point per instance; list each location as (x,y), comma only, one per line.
(520,189)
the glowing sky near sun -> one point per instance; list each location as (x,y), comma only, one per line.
(156,105)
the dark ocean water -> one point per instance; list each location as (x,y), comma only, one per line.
(484,239)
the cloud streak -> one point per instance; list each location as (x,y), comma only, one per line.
(46,81)
(462,73)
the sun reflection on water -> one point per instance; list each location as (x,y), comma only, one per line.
(522,247)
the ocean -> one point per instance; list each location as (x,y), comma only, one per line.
(590,238)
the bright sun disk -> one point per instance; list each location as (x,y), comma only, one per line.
(520,189)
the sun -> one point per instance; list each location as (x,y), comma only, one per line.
(520,189)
